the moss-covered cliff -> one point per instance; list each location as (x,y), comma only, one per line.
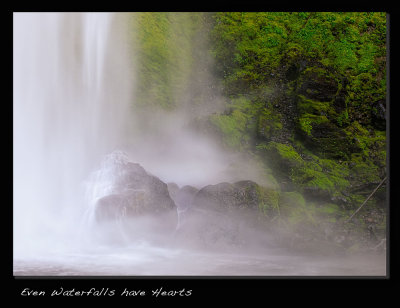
(308,93)
(305,93)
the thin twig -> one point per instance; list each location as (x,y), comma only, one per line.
(380,184)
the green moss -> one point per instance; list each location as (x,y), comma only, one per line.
(249,45)
(367,56)
(306,105)
(325,126)
(310,178)
(369,152)
(326,136)
(287,152)
(232,128)
(330,208)
(313,113)
(296,211)
(271,180)
(308,121)
(322,175)
(284,153)
(237,126)
(334,168)
(363,171)
(330,212)
(320,72)
(292,199)
(363,90)
(344,51)
(163,45)
(269,123)
(305,125)
(268,201)
(343,118)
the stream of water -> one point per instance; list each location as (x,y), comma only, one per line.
(148,260)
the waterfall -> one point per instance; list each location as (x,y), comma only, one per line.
(76,101)
(72,89)
(97,92)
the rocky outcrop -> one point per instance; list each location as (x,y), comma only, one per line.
(224,215)
(226,197)
(183,197)
(133,193)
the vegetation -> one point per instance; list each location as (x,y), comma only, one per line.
(305,93)
(315,85)
(169,59)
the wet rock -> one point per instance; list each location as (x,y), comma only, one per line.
(292,73)
(226,197)
(173,189)
(132,192)
(378,114)
(316,85)
(318,193)
(222,216)
(184,197)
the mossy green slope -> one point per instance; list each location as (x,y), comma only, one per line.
(315,87)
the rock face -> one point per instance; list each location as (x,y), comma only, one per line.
(221,216)
(184,197)
(130,204)
(172,189)
(226,197)
(131,192)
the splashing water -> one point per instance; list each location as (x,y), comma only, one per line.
(103,181)
(71,97)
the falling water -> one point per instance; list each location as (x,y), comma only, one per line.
(72,87)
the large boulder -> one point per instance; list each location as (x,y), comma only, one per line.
(182,197)
(129,192)
(224,216)
(227,197)
(185,196)
(173,190)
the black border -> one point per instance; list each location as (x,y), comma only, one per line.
(234,287)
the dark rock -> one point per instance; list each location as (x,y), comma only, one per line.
(227,197)
(110,207)
(340,102)
(317,86)
(223,216)
(364,188)
(378,114)
(292,73)
(184,197)
(134,193)
(328,140)
(313,192)
(173,190)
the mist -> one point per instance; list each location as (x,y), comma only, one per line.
(65,120)
(80,132)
